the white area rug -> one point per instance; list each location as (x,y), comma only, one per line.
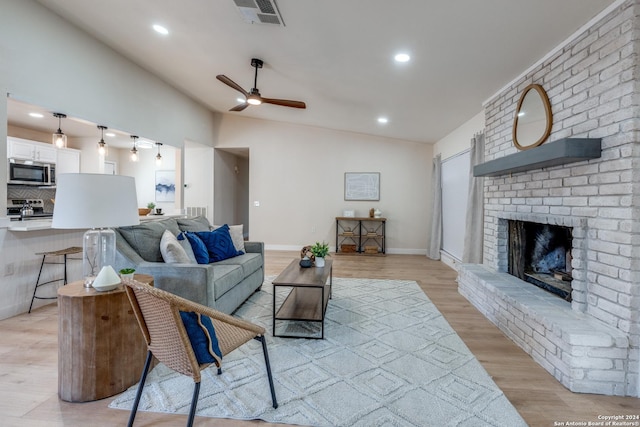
(389,358)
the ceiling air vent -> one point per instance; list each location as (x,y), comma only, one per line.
(259,11)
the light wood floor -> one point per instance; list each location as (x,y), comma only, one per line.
(29,357)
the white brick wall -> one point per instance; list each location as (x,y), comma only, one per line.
(593,94)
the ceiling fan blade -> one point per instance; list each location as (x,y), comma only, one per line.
(240,107)
(284,102)
(226,80)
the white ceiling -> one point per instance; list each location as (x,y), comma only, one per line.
(337,55)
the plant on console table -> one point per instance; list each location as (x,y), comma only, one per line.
(320,251)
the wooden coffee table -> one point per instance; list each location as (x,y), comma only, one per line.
(308,298)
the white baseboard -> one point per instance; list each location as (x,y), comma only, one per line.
(449,260)
(396,251)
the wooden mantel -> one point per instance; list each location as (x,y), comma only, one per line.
(561,152)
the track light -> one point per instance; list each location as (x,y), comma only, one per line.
(59,139)
(134,150)
(102,146)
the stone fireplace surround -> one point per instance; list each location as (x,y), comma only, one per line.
(590,345)
(583,353)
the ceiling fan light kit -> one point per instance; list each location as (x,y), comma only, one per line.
(253,97)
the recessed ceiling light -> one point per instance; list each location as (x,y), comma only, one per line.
(36,115)
(383,120)
(402,57)
(110,134)
(160,29)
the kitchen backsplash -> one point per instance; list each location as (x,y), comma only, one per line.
(28,192)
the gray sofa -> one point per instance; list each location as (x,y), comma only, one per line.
(223,285)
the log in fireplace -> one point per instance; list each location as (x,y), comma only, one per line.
(540,254)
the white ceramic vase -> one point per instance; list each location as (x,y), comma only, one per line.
(319,262)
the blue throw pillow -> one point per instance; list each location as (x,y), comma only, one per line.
(219,243)
(199,249)
(203,337)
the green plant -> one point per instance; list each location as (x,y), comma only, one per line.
(320,250)
(151,205)
(127,270)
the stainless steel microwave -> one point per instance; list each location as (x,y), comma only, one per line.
(28,172)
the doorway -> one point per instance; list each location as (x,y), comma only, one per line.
(231,187)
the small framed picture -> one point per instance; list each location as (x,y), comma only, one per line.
(362,186)
(349,213)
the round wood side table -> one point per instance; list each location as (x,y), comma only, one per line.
(101,350)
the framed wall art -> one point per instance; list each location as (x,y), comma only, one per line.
(166,186)
(362,185)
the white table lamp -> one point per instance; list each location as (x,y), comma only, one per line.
(96,202)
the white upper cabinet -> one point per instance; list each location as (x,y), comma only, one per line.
(30,150)
(68,161)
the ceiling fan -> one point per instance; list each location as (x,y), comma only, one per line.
(253,97)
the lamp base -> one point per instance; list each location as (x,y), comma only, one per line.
(98,250)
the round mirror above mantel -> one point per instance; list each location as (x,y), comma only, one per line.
(533,120)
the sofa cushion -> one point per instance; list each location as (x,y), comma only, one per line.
(225,278)
(249,262)
(197,223)
(197,245)
(171,250)
(186,245)
(219,243)
(203,337)
(145,237)
(237,235)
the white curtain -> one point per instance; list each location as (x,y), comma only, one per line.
(433,251)
(474,229)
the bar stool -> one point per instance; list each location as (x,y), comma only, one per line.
(62,252)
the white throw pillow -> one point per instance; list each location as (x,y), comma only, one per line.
(171,249)
(237,236)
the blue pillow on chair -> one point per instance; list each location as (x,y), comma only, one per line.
(203,337)
(219,243)
(199,249)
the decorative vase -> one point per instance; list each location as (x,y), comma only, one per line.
(126,277)
(306,262)
(319,262)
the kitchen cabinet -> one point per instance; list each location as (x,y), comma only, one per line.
(19,148)
(68,161)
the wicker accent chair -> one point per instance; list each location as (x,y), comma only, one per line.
(158,314)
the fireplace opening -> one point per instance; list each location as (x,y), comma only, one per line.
(541,255)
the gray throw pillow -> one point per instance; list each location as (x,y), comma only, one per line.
(195,224)
(145,238)
(171,249)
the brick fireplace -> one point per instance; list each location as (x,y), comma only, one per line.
(590,342)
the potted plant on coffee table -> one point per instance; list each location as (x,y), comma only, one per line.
(320,251)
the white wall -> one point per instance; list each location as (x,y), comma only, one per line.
(92,82)
(459,140)
(297,175)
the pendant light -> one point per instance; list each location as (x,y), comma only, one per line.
(59,139)
(158,156)
(102,146)
(134,150)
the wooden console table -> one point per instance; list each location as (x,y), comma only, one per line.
(361,235)
(101,351)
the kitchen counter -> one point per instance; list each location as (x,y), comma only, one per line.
(45,224)
(30,225)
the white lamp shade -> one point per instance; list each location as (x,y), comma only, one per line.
(87,200)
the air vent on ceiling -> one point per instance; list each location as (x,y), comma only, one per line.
(259,11)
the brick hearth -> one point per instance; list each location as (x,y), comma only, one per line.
(591,344)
